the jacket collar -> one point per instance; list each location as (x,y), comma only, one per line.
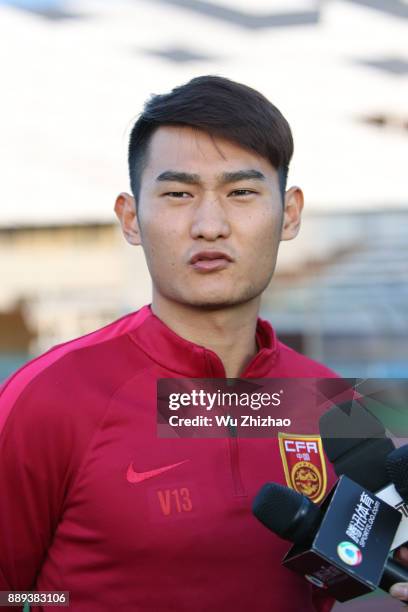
(182,357)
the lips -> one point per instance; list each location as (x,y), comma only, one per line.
(209,255)
(210,261)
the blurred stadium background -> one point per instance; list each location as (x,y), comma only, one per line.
(75,76)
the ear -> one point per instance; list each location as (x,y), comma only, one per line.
(292,213)
(125,209)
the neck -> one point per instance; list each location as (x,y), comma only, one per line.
(229,332)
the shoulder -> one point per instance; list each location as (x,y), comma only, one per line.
(300,365)
(88,367)
(287,362)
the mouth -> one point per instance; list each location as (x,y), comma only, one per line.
(210,261)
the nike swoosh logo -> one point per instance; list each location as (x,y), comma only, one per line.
(133,476)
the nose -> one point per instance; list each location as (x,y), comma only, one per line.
(210,220)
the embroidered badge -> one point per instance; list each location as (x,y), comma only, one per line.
(304,464)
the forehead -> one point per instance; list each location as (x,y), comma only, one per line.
(192,150)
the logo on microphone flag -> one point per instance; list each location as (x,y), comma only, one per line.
(349,553)
(304,464)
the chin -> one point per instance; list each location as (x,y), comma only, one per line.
(217,302)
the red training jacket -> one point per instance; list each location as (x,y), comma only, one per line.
(86,506)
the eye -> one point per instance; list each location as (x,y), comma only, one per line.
(177,194)
(242,192)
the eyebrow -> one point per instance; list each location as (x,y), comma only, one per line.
(180,177)
(224,178)
(241,175)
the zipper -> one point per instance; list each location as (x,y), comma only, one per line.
(233,448)
(216,369)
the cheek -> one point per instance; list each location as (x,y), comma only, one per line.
(263,237)
(160,242)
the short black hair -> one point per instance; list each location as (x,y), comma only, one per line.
(222,108)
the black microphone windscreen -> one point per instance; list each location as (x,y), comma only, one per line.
(366,463)
(355,442)
(344,427)
(286,512)
(397,469)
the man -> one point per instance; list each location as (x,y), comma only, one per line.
(91,500)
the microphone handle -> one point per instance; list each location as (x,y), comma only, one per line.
(393,573)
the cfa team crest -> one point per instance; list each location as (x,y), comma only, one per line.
(304,464)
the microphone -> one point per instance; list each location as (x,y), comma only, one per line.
(356,443)
(289,514)
(316,534)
